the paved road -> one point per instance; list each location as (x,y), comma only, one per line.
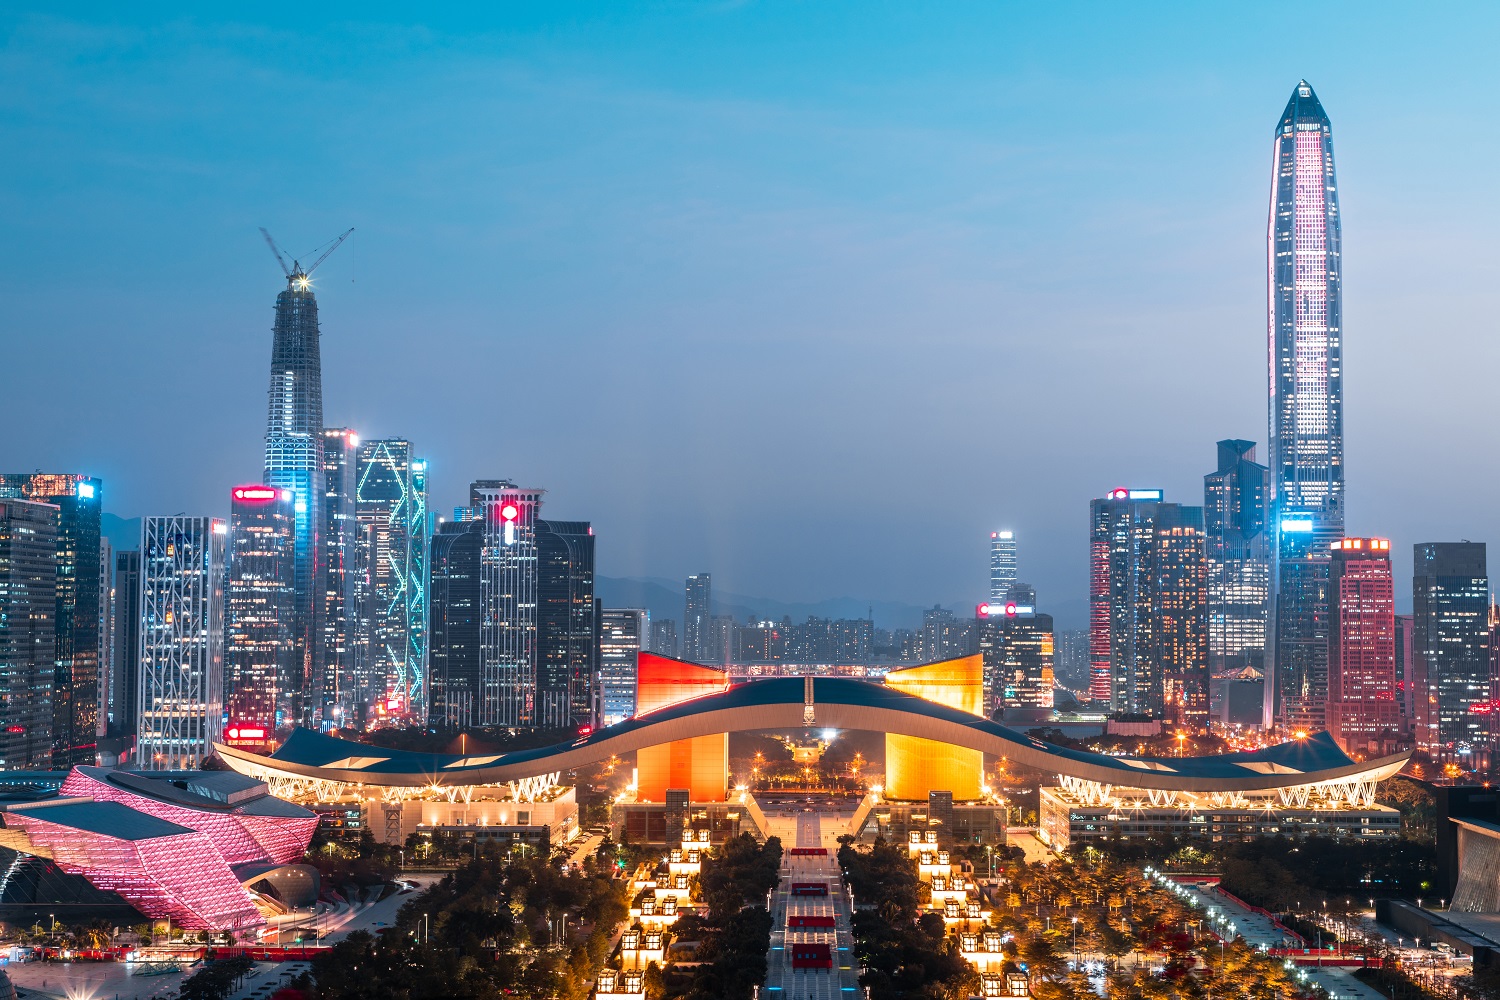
(782,981)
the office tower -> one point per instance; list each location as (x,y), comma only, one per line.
(567,635)
(664,637)
(262,674)
(455,607)
(1148,614)
(391,500)
(1306,453)
(28,634)
(106,638)
(1239,558)
(127,675)
(620,634)
(1361,710)
(343,646)
(75,685)
(1002,563)
(1404,666)
(718,642)
(294,445)
(697,613)
(1016,645)
(507,693)
(1020,594)
(1451,644)
(180,703)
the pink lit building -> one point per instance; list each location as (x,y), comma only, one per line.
(1361,710)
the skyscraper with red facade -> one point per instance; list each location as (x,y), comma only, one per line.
(1361,710)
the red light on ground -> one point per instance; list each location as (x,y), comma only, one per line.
(256,494)
(509,512)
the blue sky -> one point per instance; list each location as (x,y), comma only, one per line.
(811,296)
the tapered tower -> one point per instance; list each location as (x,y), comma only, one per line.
(1305,337)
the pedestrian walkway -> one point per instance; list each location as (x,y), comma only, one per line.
(783,982)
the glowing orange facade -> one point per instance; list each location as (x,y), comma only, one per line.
(701,764)
(914,766)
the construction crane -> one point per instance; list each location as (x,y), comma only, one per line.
(297,278)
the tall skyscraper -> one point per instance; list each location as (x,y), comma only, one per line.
(664,637)
(127,675)
(1017,646)
(697,618)
(620,633)
(181,696)
(1361,711)
(1002,563)
(75,686)
(455,607)
(1239,558)
(1450,644)
(508,589)
(391,499)
(1148,607)
(262,674)
(343,644)
(294,444)
(567,639)
(1305,333)
(28,634)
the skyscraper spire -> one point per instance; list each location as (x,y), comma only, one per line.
(1305,339)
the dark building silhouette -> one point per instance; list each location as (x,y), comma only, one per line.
(1451,646)
(455,608)
(28,635)
(126,677)
(567,640)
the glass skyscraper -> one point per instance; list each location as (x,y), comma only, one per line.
(455,608)
(391,499)
(1305,340)
(1451,646)
(28,632)
(262,676)
(507,693)
(1239,558)
(294,443)
(1002,563)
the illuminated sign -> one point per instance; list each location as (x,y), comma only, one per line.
(86,491)
(246,734)
(256,494)
(509,512)
(1297,524)
(1009,610)
(1145,494)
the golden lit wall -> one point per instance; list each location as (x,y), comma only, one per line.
(701,764)
(914,766)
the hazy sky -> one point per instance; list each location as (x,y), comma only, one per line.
(812,296)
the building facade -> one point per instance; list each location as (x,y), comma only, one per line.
(1451,646)
(391,502)
(126,679)
(263,683)
(1362,711)
(697,620)
(180,702)
(294,447)
(343,648)
(508,590)
(75,684)
(621,631)
(1148,607)
(567,644)
(1237,547)
(28,632)
(664,637)
(1306,454)
(1002,563)
(1016,645)
(455,608)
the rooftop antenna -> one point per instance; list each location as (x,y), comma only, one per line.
(297,278)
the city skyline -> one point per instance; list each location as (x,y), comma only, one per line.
(671,526)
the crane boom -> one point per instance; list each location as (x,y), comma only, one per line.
(336,244)
(280,258)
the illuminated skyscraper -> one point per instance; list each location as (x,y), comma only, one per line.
(180,703)
(1002,563)
(28,635)
(1451,645)
(455,607)
(127,674)
(294,444)
(391,500)
(1239,558)
(621,631)
(343,644)
(567,639)
(262,673)
(1016,644)
(507,693)
(75,687)
(1305,333)
(697,620)
(1148,607)
(1361,711)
